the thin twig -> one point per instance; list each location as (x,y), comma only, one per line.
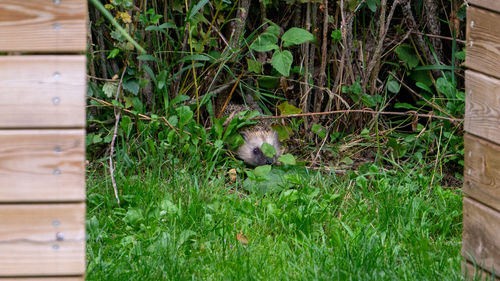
(118,114)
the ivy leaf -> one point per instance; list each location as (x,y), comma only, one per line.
(268,150)
(282,62)
(287,159)
(296,36)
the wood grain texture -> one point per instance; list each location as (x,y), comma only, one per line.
(42,91)
(28,239)
(481,229)
(42,165)
(493,5)
(483,41)
(482,171)
(470,272)
(43,26)
(482,106)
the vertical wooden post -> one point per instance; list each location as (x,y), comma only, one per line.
(481,206)
(42,139)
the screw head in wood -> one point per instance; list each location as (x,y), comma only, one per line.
(56,100)
(471,23)
(57,149)
(57,171)
(55,247)
(471,43)
(57,2)
(56,222)
(57,26)
(59,236)
(56,75)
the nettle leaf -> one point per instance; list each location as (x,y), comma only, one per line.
(109,89)
(282,62)
(287,159)
(407,54)
(268,150)
(296,36)
(287,109)
(132,86)
(446,87)
(265,42)
(254,66)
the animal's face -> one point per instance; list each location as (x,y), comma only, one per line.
(251,150)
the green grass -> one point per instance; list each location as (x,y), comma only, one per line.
(181,223)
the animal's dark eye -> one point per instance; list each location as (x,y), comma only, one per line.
(255,150)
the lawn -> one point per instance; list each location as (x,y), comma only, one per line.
(193,221)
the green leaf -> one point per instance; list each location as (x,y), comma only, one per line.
(404,105)
(199,57)
(185,115)
(282,62)
(265,42)
(287,109)
(109,89)
(262,171)
(196,8)
(179,99)
(423,87)
(446,87)
(318,130)
(372,5)
(254,66)
(296,36)
(287,159)
(148,58)
(273,29)
(162,79)
(268,150)
(393,86)
(132,86)
(407,54)
(336,35)
(113,53)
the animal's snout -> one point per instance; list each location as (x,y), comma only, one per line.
(269,161)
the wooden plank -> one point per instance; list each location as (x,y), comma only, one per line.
(43,25)
(42,165)
(482,106)
(482,171)
(471,273)
(483,41)
(493,5)
(42,239)
(42,91)
(481,227)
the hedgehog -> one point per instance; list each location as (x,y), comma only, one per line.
(254,136)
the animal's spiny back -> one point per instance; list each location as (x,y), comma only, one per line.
(254,136)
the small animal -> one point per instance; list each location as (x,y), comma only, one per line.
(254,137)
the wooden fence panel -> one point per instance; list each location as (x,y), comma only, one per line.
(42,165)
(487,4)
(483,39)
(480,234)
(482,171)
(42,91)
(43,25)
(482,106)
(42,239)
